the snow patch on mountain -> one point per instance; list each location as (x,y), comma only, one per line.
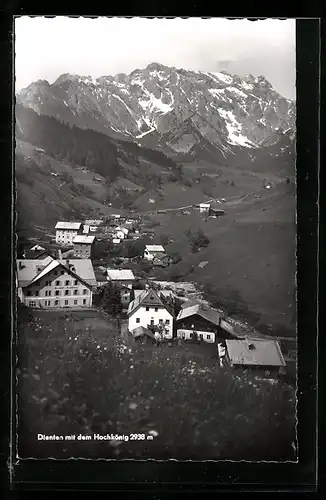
(238,92)
(234,129)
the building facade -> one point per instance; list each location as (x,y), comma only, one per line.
(154,251)
(84,246)
(54,284)
(149,310)
(67,231)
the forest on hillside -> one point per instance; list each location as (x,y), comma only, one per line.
(84,147)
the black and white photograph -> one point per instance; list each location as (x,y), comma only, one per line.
(155,169)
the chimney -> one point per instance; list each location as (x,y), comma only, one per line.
(147,286)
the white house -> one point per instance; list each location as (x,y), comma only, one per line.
(204,207)
(52,283)
(121,276)
(149,309)
(152,251)
(121,233)
(67,231)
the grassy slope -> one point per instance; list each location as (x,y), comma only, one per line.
(43,199)
(251,256)
(75,381)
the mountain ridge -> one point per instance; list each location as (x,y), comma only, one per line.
(154,103)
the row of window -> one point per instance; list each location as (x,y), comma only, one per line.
(55,273)
(47,303)
(161,321)
(48,293)
(155,309)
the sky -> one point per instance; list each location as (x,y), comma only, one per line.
(45,48)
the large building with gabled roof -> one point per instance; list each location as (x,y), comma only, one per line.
(52,283)
(150,310)
(67,231)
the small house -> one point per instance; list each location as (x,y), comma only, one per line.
(150,309)
(84,246)
(196,322)
(67,231)
(121,232)
(262,356)
(121,276)
(204,207)
(153,251)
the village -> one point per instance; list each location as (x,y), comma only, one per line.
(87,268)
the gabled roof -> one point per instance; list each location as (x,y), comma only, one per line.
(120,274)
(255,352)
(36,248)
(154,248)
(207,313)
(189,303)
(36,269)
(148,298)
(84,239)
(72,226)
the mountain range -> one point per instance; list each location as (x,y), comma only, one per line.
(175,110)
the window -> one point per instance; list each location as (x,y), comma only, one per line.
(48,283)
(167,321)
(160,321)
(147,308)
(62,272)
(75,292)
(208,337)
(84,292)
(76,282)
(55,273)
(32,303)
(36,293)
(152,298)
(156,309)
(84,301)
(137,320)
(66,302)
(66,292)
(67,282)
(152,321)
(57,283)
(56,302)
(29,293)
(75,302)
(48,302)
(57,292)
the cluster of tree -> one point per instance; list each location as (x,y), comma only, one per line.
(197,239)
(110,296)
(81,147)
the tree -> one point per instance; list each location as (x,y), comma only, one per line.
(197,240)
(111,299)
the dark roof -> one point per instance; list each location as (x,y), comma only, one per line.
(149,298)
(197,310)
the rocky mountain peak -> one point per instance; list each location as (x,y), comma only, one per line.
(225,110)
